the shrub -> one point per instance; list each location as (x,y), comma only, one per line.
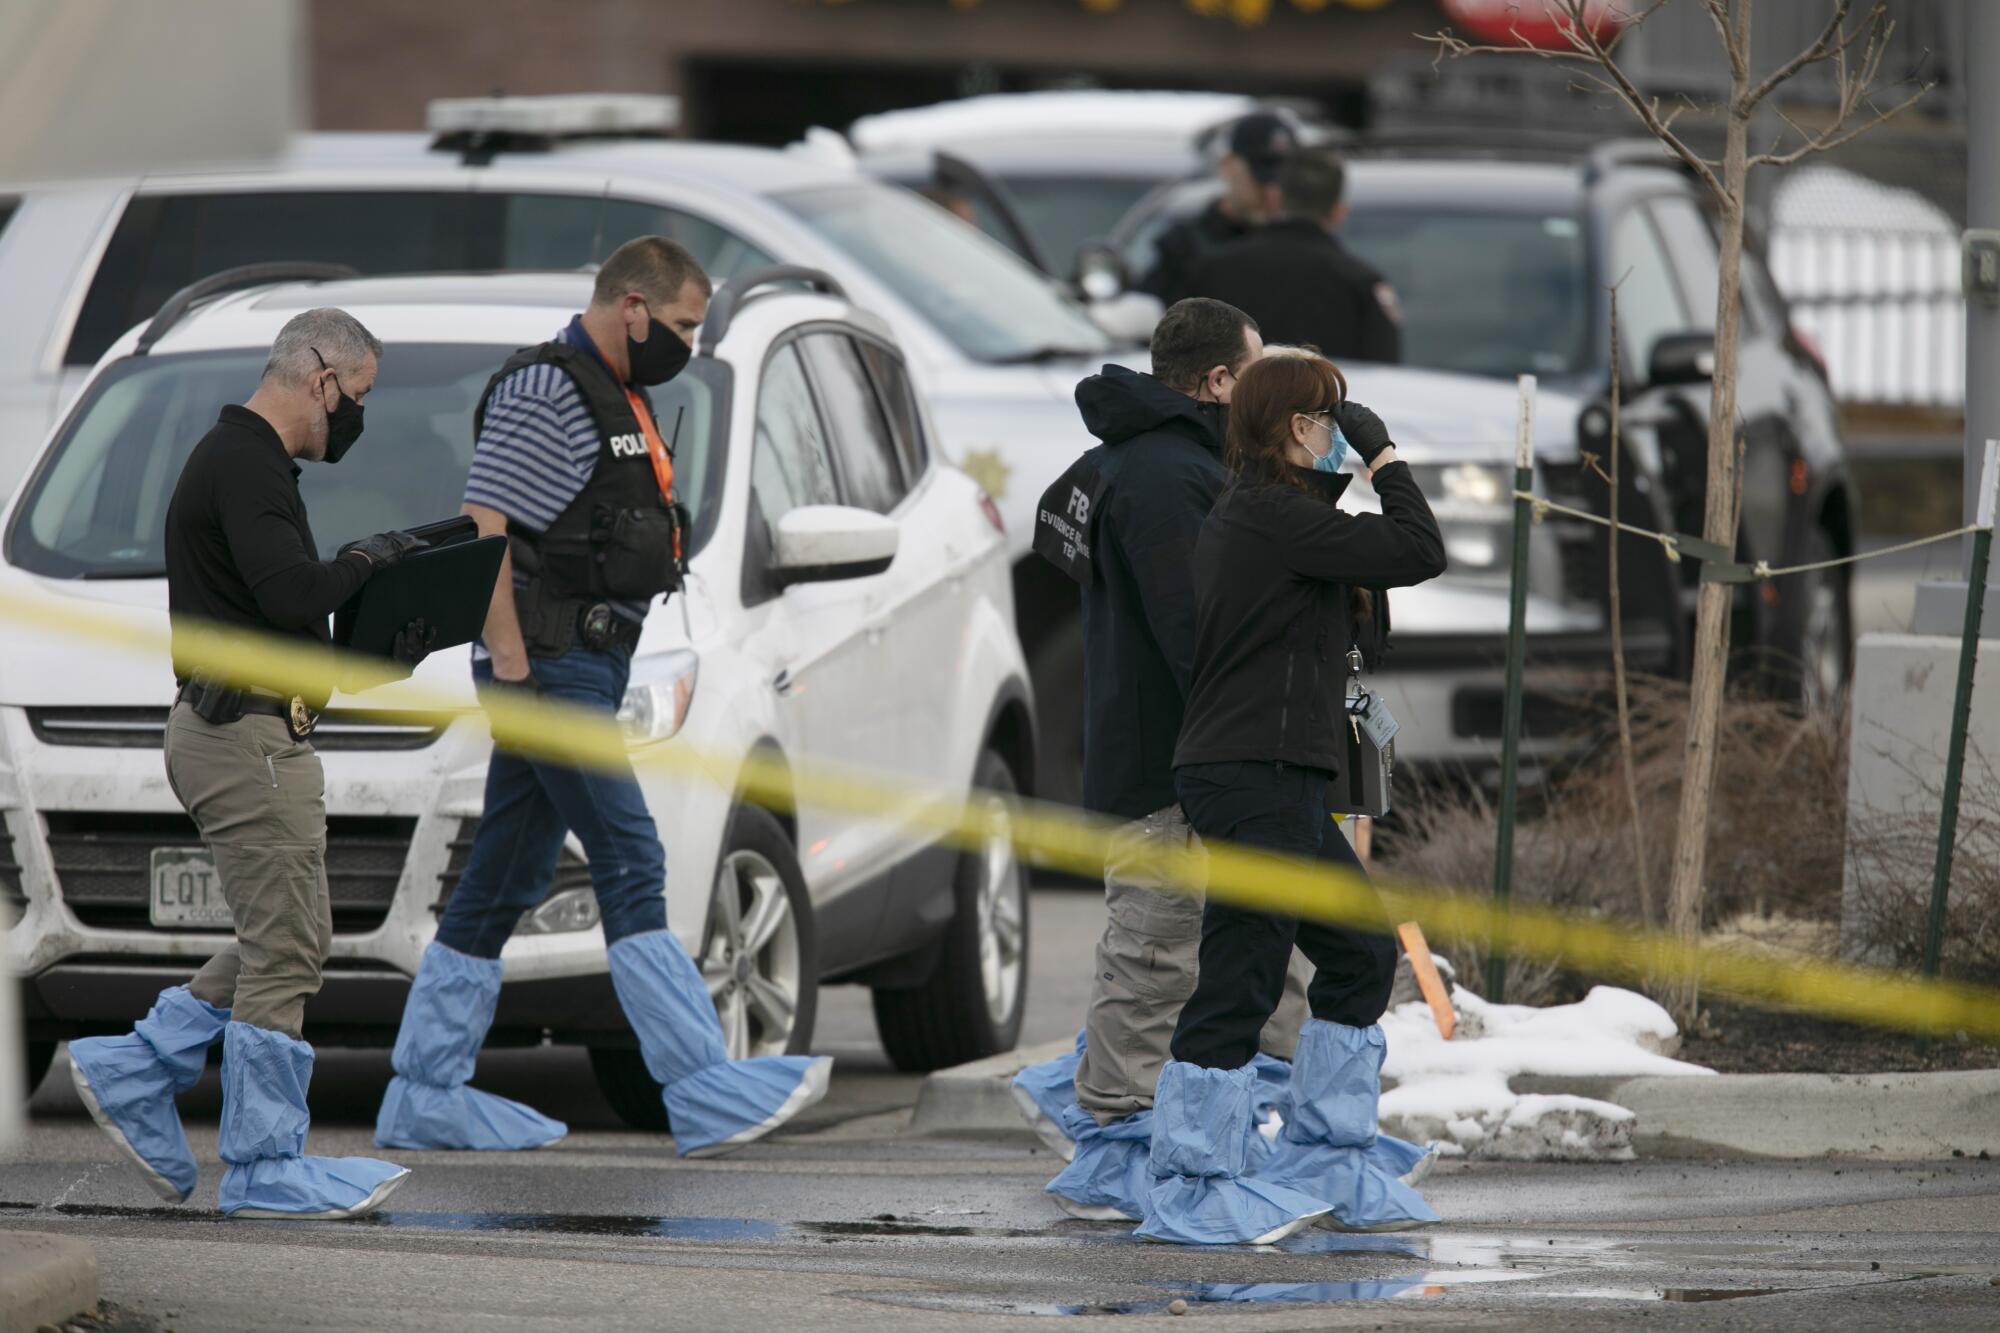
(1775,834)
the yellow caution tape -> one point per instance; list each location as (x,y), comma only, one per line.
(1060,838)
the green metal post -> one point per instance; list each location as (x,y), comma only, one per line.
(1961,720)
(1517,639)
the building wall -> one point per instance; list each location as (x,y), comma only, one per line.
(105,87)
(377,62)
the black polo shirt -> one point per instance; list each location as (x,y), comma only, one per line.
(239,548)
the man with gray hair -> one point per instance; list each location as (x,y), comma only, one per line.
(240,553)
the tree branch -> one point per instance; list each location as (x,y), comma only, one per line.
(1579,34)
(1586,49)
(1834,135)
(1830,42)
(1739,60)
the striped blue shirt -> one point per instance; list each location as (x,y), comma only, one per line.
(537,449)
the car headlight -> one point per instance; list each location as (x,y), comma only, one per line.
(1473,484)
(656,706)
(1471,501)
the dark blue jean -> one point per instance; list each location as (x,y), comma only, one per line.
(1280,808)
(531,805)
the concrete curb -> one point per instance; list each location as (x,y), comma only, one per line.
(974,1101)
(1885,1116)
(44,1279)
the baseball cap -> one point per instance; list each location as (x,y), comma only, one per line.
(1263,139)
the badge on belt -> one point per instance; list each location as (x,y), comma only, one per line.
(299,719)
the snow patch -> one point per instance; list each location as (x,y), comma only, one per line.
(1457,1093)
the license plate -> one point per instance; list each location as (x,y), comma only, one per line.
(186,891)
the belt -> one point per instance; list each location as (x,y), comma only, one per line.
(622,633)
(262,704)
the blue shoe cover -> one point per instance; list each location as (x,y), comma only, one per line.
(1200,1151)
(1043,1091)
(714,1104)
(1360,1195)
(723,1107)
(129,1084)
(263,1137)
(1330,1148)
(1273,1094)
(1406,1161)
(1112,1173)
(428,1104)
(1336,1084)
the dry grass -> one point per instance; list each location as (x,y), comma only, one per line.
(1775,839)
(1894,862)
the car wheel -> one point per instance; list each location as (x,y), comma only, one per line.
(1823,652)
(971,1006)
(757,957)
(39,1055)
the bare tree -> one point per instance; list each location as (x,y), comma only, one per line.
(1854,52)
(1616,612)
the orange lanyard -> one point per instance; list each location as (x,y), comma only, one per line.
(656,448)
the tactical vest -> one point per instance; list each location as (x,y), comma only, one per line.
(618,540)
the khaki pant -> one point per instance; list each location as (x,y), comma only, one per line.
(259,799)
(1146,967)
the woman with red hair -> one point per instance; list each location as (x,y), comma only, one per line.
(1286,586)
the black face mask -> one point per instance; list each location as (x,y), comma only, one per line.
(343,423)
(658,359)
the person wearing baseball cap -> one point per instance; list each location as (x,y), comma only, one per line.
(1295,278)
(1259,145)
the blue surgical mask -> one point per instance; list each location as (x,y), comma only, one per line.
(1336,447)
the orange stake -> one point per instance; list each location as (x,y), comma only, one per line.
(1428,980)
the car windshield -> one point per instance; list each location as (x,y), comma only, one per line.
(1482,293)
(97,506)
(989,304)
(1063,213)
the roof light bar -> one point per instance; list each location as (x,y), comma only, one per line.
(559,116)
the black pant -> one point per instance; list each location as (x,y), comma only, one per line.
(1281,808)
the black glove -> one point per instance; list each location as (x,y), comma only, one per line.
(385,548)
(1365,433)
(413,644)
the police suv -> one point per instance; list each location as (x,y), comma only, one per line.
(848,600)
(993,347)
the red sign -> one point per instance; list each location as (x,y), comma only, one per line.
(1537,23)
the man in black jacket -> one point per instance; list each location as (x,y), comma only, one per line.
(1157,474)
(1259,145)
(1298,281)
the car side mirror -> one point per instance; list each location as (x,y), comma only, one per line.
(823,543)
(1682,358)
(1100,273)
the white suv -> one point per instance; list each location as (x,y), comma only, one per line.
(994,348)
(807,458)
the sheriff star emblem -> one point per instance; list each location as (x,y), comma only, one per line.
(986,467)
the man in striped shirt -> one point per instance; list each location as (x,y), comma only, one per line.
(568,463)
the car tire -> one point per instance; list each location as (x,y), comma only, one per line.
(760,870)
(1818,652)
(972,1004)
(37,1057)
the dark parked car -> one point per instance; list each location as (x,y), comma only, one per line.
(1503,259)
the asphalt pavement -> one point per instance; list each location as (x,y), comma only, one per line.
(846,1220)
